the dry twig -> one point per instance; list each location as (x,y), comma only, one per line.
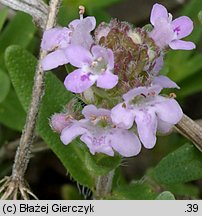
(36,8)
(16,184)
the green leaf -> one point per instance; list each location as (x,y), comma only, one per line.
(12,114)
(133,191)
(21,66)
(4,85)
(3,16)
(166,195)
(102,164)
(70,192)
(184,190)
(19,31)
(183,165)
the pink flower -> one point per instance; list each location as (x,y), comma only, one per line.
(94,66)
(150,112)
(97,131)
(169,33)
(57,40)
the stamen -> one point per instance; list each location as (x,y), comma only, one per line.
(81,11)
(172,95)
(69,117)
(100,59)
(152,93)
(103,70)
(93,117)
(124,105)
(104,118)
(143,95)
(94,64)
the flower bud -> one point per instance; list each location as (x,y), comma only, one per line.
(59,121)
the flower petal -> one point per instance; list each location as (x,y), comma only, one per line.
(125,142)
(158,65)
(97,143)
(78,56)
(81,32)
(122,117)
(107,54)
(162,33)
(91,110)
(70,133)
(182,45)
(78,81)
(89,23)
(54,59)
(141,90)
(182,26)
(164,82)
(107,80)
(73,24)
(158,11)
(146,126)
(55,37)
(168,110)
(164,127)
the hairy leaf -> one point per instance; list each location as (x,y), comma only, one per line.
(19,31)
(12,114)
(133,191)
(183,165)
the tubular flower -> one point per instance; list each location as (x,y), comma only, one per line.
(169,33)
(57,40)
(150,111)
(94,66)
(99,134)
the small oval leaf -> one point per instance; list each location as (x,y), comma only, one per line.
(166,195)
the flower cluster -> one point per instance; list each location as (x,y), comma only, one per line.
(118,69)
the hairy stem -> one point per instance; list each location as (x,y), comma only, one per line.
(191,130)
(104,185)
(22,156)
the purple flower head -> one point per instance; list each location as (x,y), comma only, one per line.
(57,40)
(150,111)
(99,134)
(169,33)
(94,66)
